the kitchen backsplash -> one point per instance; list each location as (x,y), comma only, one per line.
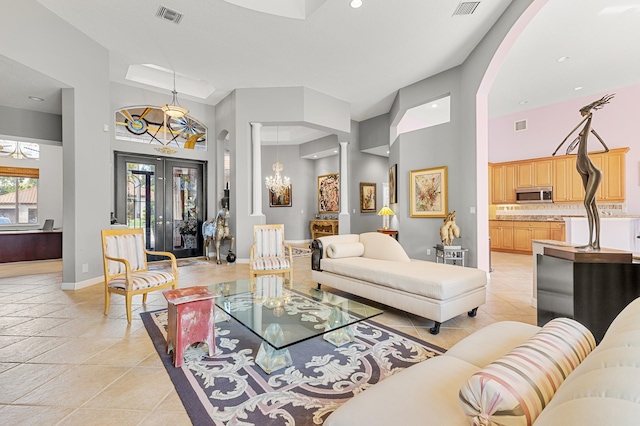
(612,209)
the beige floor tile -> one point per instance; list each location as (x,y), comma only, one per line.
(75,387)
(8,322)
(75,351)
(33,327)
(24,378)
(125,392)
(25,415)
(127,353)
(97,417)
(29,348)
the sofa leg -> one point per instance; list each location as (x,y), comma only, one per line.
(435,329)
(472,313)
(319,286)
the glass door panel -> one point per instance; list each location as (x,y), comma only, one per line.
(165,198)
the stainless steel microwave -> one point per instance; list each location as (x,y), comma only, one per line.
(538,194)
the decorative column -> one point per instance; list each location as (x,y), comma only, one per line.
(257,169)
(344,222)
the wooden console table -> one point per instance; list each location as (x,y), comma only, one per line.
(323,227)
(20,246)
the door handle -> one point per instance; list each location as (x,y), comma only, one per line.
(167,222)
(159,223)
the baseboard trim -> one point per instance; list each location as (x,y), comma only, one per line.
(82,284)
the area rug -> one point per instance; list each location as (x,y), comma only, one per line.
(297,251)
(230,389)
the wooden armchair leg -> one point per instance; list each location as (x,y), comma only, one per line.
(144,298)
(107,302)
(128,306)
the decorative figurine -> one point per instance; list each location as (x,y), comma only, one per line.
(217,230)
(449,230)
(591,175)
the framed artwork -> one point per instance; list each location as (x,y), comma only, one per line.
(367,197)
(393,189)
(280,200)
(428,192)
(329,193)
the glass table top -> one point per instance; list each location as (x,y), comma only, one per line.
(259,302)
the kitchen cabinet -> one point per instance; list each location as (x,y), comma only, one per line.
(612,165)
(515,236)
(524,232)
(503,183)
(501,232)
(560,173)
(534,173)
(557,231)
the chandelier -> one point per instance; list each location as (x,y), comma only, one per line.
(174,110)
(277,183)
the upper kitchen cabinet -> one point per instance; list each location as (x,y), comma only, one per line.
(560,173)
(503,183)
(612,165)
(534,173)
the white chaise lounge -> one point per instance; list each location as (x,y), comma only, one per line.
(375,266)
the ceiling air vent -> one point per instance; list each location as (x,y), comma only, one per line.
(169,15)
(520,125)
(466,8)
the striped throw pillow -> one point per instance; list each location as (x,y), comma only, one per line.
(514,389)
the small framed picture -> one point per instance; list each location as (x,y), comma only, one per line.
(367,197)
(282,199)
(393,188)
(428,192)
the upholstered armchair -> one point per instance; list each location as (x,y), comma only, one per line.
(125,267)
(268,255)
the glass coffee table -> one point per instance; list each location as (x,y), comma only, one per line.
(281,317)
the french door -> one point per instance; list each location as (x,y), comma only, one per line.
(163,196)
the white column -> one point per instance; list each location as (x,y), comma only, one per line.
(344,222)
(257,169)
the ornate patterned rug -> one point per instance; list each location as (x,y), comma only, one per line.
(230,389)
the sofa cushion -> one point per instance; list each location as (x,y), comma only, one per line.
(383,247)
(434,280)
(514,389)
(340,250)
(423,394)
(503,335)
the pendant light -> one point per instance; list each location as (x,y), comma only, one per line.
(174,110)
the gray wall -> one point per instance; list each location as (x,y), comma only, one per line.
(366,168)
(296,218)
(31,125)
(85,69)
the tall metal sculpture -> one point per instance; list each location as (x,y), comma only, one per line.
(216,230)
(590,174)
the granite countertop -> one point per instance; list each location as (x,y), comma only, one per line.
(530,218)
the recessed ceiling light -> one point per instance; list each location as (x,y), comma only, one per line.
(315,156)
(35,98)
(335,151)
(563,58)
(355,3)
(523,102)
(387,152)
(434,105)
(578,88)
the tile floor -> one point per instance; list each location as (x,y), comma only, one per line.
(62,362)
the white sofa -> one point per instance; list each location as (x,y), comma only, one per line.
(604,389)
(375,266)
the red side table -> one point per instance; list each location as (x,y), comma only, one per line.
(190,320)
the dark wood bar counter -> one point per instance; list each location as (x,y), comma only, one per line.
(21,246)
(590,287)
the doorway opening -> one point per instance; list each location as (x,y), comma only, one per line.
(165,197)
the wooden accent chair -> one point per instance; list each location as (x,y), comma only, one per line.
(267,256)
(125,267)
